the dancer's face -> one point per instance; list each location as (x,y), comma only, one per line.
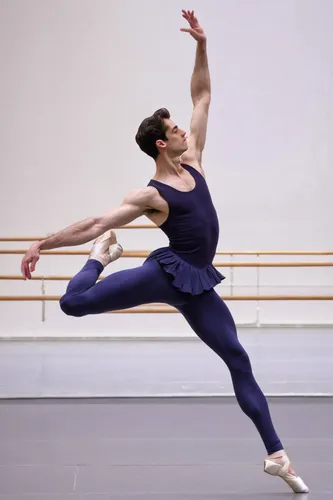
(176,144)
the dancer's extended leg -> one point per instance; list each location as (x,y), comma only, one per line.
(121,290)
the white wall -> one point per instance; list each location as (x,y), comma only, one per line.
(78,77)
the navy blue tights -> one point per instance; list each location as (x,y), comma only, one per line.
(207,315)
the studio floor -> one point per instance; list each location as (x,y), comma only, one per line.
(175,449)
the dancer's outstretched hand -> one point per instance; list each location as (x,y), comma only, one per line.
(195,29)
(30,260)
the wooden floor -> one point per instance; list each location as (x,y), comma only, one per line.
(170,449)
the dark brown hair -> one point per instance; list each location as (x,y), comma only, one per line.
(151,130)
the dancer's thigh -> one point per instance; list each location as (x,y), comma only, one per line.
(129,288)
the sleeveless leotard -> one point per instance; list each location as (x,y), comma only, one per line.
(193,231)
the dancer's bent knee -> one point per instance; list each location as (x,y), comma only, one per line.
(70,305)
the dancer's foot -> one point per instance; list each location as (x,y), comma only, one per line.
(106,249)
(278,464)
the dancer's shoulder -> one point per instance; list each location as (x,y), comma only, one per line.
(141,196)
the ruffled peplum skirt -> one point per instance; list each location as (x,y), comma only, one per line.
(187,277)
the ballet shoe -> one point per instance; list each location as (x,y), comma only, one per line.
(106,249)
(281,470)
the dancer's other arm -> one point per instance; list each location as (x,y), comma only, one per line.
(135,204)
(200,93)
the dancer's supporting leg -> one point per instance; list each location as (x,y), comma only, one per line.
(212,321)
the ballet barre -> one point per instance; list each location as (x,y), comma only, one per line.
(145,253)
(163,308)
(55,298)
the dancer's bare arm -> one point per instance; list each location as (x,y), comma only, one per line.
(200,93)
(135,204)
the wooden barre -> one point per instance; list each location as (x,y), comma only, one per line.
(145,253)
(226,264)
(43,298)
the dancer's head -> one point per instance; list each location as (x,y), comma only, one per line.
(159,135)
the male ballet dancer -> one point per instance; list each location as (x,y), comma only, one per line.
(177,200)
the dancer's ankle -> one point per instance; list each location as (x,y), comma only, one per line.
(280,457)
(277,454)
